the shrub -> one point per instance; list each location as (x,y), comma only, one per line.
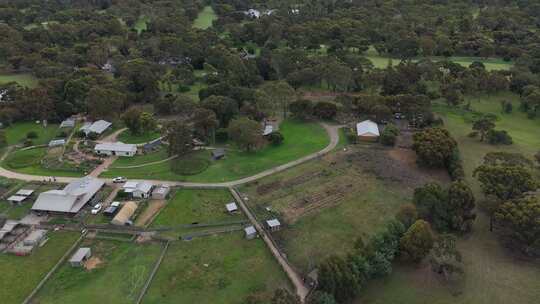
(473,134)
(325,110)
(416,243)
(28,142)
(496,137)
(352,138)
(389,135)
(222,135)
(183,88)
(92,136)
(276,138)
(32,135)
(62,134)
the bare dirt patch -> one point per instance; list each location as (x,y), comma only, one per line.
(93,263)
(153,207)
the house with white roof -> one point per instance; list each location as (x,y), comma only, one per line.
(367,130)
(97,127)
(117,148)
(138,189)
(71,199)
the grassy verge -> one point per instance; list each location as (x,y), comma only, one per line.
(23,79)
(129,138)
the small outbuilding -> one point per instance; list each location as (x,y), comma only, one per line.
(273,225)
(367,130)
(57,143)
(97,127)
(124,215)
(231,207)
(80,256)
(16,199)
(68,123)
(24,192)
(117,148)
(35,237)
(218,154)
(161,192)
(110,211)
(250,232)
(138,189)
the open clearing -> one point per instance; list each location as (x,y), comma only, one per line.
(129,138)
(21,274)
(300,139)
(16,133)
(205,18)
(222,269)
(23,79)
(115,274)
(29,162)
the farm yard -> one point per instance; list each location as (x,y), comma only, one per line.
(129,138)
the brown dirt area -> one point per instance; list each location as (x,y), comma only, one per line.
(153,207)
(93,263)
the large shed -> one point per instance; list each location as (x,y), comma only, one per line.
(367,130)
(116,148)
(97,127)
(138,189)
(124,215)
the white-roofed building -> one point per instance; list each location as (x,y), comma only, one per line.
(231,207)
(117,148)
(161,192)
(268,129)
(250,232)
(68,123)
(97,127)
(138,189)
(80,256)
(24,192)
(16,199)
(367,130)
(57,142)
(71,199)
(273,224)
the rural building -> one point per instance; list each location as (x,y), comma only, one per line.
(138,189)
(117,148)
(24,192)
(152,145)
(124,215)
(110,211)
(268,129)
(10,231)
(97,127)
(218,153)
(250,232)
(68,123)
(57,142)
(231,207)
(273,225)
(16,199)
(81,255)
(367,130)
(161,192)
(35,237)
(71,199)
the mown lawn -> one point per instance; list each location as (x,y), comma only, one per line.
(23,79)
(129,138)
(141,159)
(205,18)
(300,139)
(16,133)
(21,274)
(123,269)
(222,269)
(29,162)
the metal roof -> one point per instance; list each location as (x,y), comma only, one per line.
(24,192)
(16,198)
(57,142)
(231,207)
(117,147)
(142,186)
(162,189)
(218,152)
(268,129)
(125,213)
(250,230)
(367,128)
(96,127)
(80,255)
(68,123)
(273,223)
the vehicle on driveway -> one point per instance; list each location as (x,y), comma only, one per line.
(97,208)
(119,179)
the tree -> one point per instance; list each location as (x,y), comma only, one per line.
(335,277)
(417,241)
(389,135)
(483,126)
(205,123)
(105,103)
(507,159)
(283,296)
(274,97)
(276,138)
(246,133)
(495,137)
(319,297)
(325,110)
(445,259)
(224,107)
(301,108)
(180,138)
(131,119)
(148,122)
(504,182)
(460,207)
(407,215)
(519,220)
(3,139)
(434,147)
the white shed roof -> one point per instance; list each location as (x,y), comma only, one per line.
(24,192)
(367,128)
(96,127)
(273,223)
(250,230)
(231,207)
(116,146)
(17,198)
(143,186)
(57,142)
(81,253)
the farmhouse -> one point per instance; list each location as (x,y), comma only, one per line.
(367,130)
(161,192)
(98,127)
(71,199)
(80,256)
(117,148)
(124,215)
(138,189)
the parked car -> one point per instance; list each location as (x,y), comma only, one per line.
(115,204)
(119,179)
(97,208)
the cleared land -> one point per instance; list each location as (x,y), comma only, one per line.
(141,24)
(16,133)
(205,18)
(23,79)
(115,274)
(29,162)
(21,274)
(300,139)
(129,138)
(221,269)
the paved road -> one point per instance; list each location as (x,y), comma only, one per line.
(332,131)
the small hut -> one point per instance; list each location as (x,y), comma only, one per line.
(250,232)
(273,225)
(81,256)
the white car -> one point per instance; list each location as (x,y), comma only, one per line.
(119,179)
(96,208)
(115,204)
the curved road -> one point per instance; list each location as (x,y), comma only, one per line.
(330,129)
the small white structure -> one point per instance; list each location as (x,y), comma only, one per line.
(161,192)
(35,237)
(367,130)
(80,256)
(231,207)
(268,129)
(117,148)
(16,199)
(68,123)
(24,192)
(250,232)
(138,189)
(273,224)
(57,142)
(97,127)
(253,13)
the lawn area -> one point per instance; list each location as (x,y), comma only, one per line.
(129,138)
(16,133)
(141,24)
(205,18)
(121,271)
(29,162)
(23,79)
(300,139)
(141,159)
(21,274)
(222,269)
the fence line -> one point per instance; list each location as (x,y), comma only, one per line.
(153,273)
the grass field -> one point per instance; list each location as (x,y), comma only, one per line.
(21,274)
(205,18)
(23,79)
(221,269)
(141,159)
(141,24)
(122,270)
(300,139)
(16,132)
(129,138)
(29,162)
